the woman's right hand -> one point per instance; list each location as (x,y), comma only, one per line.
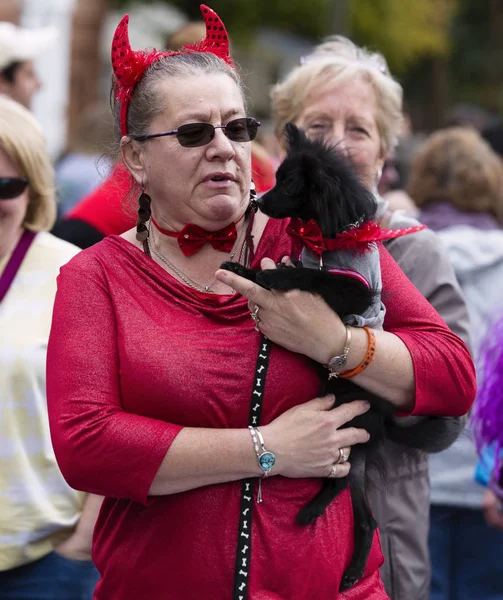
(306,439)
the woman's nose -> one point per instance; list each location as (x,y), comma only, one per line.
(220,145)
(335,136)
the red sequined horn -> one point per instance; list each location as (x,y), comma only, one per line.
(129,66)
(216,40)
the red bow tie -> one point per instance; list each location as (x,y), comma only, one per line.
(309,234)
(192,237)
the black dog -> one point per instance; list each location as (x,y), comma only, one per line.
(318,182)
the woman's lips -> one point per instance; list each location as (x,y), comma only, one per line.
(219,183)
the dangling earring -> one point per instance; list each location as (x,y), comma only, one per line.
(377,179)
(144,213)
(378,175)
(253,198)
(249,215)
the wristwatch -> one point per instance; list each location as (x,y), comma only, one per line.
(266,459)
(339,361)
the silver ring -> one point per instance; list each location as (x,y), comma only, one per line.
(343,457)
(333,471)
(255,317)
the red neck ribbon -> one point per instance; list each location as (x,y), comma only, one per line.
(357,239)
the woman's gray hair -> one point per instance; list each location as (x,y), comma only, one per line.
(334,60)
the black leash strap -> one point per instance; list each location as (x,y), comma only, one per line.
(243,554)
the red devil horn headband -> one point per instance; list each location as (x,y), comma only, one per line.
(129,66)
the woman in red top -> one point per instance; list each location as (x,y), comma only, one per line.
(153,359)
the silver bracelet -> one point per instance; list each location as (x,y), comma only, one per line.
(266,459)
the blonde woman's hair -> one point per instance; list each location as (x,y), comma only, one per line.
(456,165)
(336,60)
(22,139)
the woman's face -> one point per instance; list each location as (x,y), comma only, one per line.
(12,211)
(206,185)
(346,115)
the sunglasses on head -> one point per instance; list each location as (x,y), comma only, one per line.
(12,187)
(193,135)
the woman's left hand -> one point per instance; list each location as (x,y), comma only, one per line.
(75,548)
(493,510)
(299,321)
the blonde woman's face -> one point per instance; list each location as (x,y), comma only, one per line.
(13,210)
(346,115)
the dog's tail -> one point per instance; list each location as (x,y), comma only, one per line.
(430,434)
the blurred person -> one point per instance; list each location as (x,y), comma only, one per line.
(160,413)
(346,95)
(390,188)
(45,526)
(19,48)
(493,135)
(83,167)
(470,115)
(107,211)
(457,181)
(189,33)
(390,177)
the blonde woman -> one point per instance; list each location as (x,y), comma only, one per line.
(347,96)
(457,181)
(45,526)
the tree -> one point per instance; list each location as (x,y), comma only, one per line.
(405,32)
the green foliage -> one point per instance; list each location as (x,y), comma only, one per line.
(243,17)
(403,31)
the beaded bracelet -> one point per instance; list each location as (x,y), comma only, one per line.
(367,359)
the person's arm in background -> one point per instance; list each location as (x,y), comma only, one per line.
(493,510)
(78,546)
(424,259)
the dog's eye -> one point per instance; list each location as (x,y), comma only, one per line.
(290,189)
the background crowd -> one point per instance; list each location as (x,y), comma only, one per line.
(439,163)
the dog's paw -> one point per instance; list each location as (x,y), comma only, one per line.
(239,270)
(348,581)
(308,515)
(228,265)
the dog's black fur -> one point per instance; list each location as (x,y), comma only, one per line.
(318,182)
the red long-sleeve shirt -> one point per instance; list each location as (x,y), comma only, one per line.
(134,356)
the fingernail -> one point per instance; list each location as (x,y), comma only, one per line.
(366,404)
(223,275)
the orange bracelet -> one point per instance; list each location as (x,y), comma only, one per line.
(367,359)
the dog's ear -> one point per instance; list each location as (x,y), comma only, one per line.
(293,136)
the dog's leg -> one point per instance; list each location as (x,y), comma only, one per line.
(364,522)
(316,507)
(430,434)
(250,274)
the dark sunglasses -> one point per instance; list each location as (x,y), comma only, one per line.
(12,187)
(193,135)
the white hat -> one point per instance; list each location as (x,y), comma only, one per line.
(18,44)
